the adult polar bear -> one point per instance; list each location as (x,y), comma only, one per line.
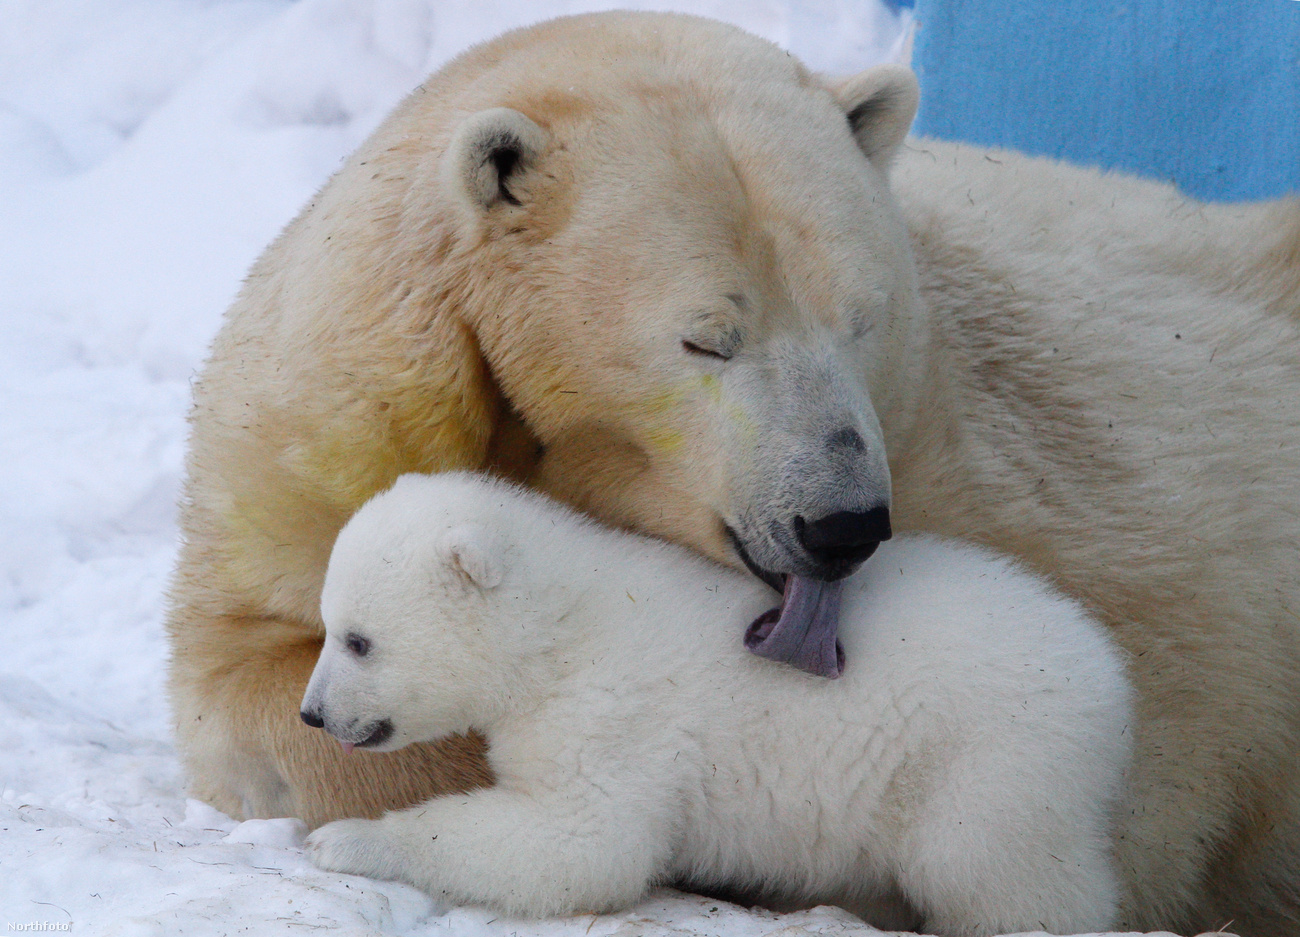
(638,261)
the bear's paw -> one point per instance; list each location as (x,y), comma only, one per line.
(355,847)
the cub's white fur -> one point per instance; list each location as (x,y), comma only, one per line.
(969,759)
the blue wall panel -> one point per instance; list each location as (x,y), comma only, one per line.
(1204,93)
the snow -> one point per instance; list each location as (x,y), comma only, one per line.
(149,149)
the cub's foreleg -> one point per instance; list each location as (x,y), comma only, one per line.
(544,851)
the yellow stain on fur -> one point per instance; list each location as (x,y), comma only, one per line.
(667,440)
(663,401)
(747,428)
(712,387)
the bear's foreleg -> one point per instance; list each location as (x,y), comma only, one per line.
(563,852)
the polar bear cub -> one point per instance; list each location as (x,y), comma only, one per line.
(969,759)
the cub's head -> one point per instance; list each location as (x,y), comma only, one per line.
(429,620)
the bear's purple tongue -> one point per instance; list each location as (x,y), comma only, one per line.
(802,631)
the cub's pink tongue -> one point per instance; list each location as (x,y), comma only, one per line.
(801,632)
(347,747)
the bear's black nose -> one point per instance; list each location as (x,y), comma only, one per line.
(839,540)
(312,719)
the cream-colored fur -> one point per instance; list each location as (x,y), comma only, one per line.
(970,758)
(1085,371)
(1115,397)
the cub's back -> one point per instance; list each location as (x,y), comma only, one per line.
(950,649)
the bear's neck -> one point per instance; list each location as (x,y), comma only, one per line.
(637,600)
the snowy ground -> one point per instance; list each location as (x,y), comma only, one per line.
(148,150)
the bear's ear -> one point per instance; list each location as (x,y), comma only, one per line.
(475,553)
(880,104)
(489,153)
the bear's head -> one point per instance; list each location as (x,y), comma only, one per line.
(647,263)
(692,289)
(431,616)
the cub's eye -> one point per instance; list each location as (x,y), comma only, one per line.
(356,644)
(695,349)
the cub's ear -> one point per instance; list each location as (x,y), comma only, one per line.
(475,553)
(880,104)
(489,153)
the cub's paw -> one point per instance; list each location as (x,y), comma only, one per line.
(357,847)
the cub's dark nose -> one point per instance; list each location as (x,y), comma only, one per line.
(841,540)
(312,719)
